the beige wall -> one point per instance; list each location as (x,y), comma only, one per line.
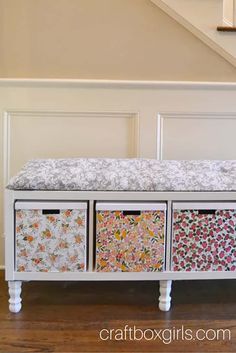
(111,39)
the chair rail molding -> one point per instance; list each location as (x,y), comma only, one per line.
(86,83)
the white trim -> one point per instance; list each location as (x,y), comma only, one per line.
(86,242)
(47,82)
(234,12)
(105,206)
(9,232)
(168,238)
(162,196)
(159,139)
(198,115)
(91,235)
(122,276)
(25,205)
(6,147)
(76,114)
(196,31)
(204,206)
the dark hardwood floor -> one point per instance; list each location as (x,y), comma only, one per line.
(68,316)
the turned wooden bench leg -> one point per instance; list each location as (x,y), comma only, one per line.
(165,298)
(14,289)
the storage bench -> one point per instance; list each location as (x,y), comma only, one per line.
(120,219)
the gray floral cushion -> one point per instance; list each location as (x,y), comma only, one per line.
(104,174)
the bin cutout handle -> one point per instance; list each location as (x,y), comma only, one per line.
(51,211)
(131,213)
(206,211)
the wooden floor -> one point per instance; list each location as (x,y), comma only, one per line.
(68,316)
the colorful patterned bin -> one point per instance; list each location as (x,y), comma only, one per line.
(50,236)
(204,237)
(130,237)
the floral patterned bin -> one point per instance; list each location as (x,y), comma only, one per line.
(51,236)
(204,237)
(130,237)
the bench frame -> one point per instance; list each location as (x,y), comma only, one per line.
(15,278)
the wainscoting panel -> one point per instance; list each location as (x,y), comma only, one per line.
(197,136)
(68,135)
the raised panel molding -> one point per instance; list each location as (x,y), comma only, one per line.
(164,116)
(9,114)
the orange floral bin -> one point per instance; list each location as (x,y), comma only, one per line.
(130,237)
(50,237)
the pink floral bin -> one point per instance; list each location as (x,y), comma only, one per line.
(204,237)
(130,237)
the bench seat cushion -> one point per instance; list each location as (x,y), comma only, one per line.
(104,174)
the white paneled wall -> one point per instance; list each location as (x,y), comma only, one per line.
(197,135)
(69,134)
(63,118)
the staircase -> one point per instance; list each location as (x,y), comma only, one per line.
(202,18)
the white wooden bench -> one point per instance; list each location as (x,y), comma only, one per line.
(113,219)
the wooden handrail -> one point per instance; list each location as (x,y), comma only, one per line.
(226,29)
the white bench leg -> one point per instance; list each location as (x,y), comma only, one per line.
(165,298)
(14,289)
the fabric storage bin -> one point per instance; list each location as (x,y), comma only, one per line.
(50,236)
(130,237)
(204,237)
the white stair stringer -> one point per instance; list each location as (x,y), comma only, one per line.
(201,17)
